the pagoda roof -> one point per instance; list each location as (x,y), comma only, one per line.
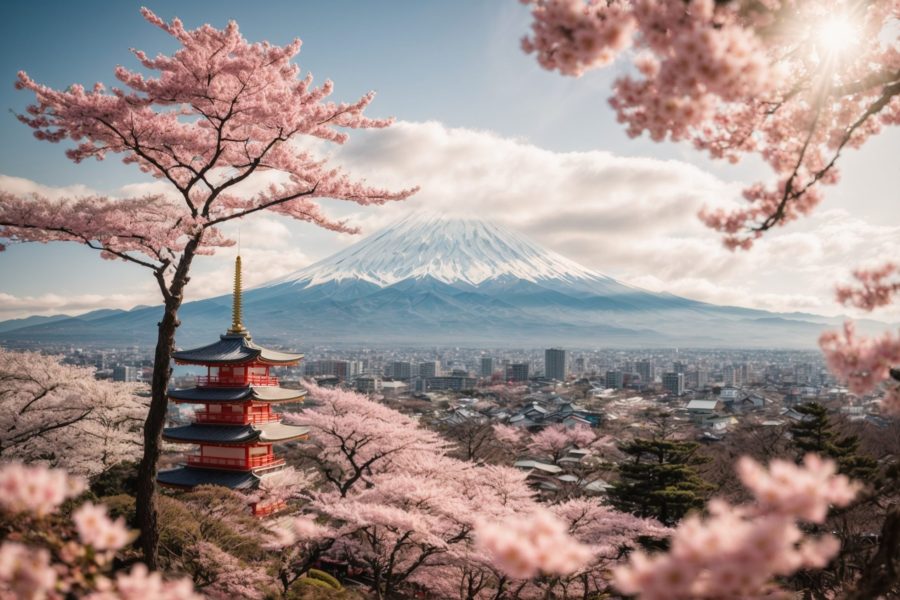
(234,434)
(191,477)
(261,393)
(234,348)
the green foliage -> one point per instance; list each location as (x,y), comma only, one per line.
(121,478)
(816,433)
(326,577)
(659,479)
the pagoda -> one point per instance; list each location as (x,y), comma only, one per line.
(235,426)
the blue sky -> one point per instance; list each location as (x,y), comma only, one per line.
(454,63)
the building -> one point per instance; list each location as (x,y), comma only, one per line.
(431,368)
(517,372)
(555,365)
(487,366)
(696,380)
(401,370)
(673,383)
(580,365)
(125,373)
(451,382)
(234,428)
(367,384)
(615,380)
(644,368)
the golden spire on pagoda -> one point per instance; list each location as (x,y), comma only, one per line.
(236,325)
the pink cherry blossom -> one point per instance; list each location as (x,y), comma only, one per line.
(141,584)
(531,544)
(863,363)
(96,529)
(26,573)
(35,489)
(876,287)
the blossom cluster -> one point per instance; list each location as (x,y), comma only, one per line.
(35,490)
(30,573)
(876,287)
(572,36)
(863,362)
(97,530)
(736,551)
(525,547)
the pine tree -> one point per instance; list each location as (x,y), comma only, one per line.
(816,433)
(659,479)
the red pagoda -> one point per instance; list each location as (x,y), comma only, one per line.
(236,428)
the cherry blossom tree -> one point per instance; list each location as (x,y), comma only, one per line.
(217,114)
(60,414)
(555,440)
(353,438)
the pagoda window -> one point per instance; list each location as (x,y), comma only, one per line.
(259,370)
(259,450)
(222,452)
(213,371)
(237,372)
(236,408)
(213,408)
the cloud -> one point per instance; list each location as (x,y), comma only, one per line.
(13,307)
(631,218)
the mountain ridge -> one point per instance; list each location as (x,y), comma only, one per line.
(430,281)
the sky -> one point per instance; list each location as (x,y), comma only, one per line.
(481,128)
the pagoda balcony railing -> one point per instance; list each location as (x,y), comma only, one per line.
(266,460)
(233,418)
(217,381)
(264,510)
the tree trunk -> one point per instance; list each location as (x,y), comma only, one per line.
(153,426)
(145,504)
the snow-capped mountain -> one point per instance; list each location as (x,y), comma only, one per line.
(437,281)
(447,250)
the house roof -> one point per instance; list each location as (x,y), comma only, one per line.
(262,393)
(234,348)
(702,404)
(534,464)
(234,434)
(190,477)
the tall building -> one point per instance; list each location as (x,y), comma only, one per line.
(125,373)
(644,368)
(432,368)
(236,427)
(401,370)
(555,366)
(517,372)
(487,366)
(673,383)
(679,367)
(580,366)
(615,380)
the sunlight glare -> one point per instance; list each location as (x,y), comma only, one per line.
(837,35)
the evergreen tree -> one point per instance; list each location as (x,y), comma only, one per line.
(659,479)
(816,433)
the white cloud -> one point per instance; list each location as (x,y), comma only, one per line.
(631,218)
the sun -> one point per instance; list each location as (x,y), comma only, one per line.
(836,35)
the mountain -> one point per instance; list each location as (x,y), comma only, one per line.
(437,281)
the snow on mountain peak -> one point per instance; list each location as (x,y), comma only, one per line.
(450,250)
